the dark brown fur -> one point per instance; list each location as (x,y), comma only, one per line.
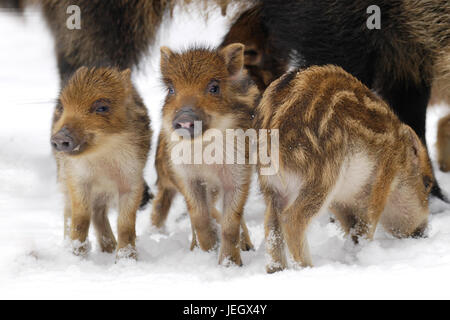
(103,115)
(18,5)
(263,62)
(341,148)
(113,33)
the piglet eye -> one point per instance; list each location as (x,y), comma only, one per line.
(427,182)
(101,106)
(171,90)
(214,87)
(102,109)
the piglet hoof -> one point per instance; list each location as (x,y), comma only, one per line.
(108,247)
(126,253)
(210,244)
(230,260)
(274,268)
(80,249)
(194,243)
(247,245)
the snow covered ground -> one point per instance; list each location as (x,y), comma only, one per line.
(36,263)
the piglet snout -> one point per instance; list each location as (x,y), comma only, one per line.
(64,141)
(185,119)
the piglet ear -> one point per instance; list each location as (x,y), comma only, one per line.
(166,54)
(416,144)
(234,58)
(126,75)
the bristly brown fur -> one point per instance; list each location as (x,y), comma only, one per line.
(113,33)
(189,75)
(100,110)
(341,148)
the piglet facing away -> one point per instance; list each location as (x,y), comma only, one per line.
(101,139)
(341,148)
(209,95)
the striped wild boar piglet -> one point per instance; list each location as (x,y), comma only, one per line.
(209,96)
(341,148)
(101,139)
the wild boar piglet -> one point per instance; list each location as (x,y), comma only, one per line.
(340,148)
(208,94)
(101,138)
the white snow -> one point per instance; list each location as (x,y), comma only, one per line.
(35,262)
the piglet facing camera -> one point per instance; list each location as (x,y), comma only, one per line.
(101,139)
(207,91)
